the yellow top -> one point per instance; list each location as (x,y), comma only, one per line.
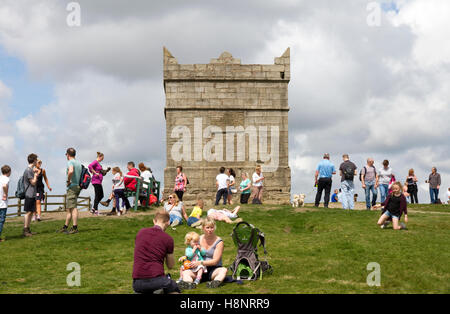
(196,212)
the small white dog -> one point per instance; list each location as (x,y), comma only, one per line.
(299,200)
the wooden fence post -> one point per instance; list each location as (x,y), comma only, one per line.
(89,204)
(19,207)
(65,202)
(45,204)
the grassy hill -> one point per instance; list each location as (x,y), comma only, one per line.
(311,250)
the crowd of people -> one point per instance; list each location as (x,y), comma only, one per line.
(202,260)
(35,176)
(372,180)
(226,186)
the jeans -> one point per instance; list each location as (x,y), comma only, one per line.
(384,190)
(222,193)
(347,188)
(434,195)
(120,194)
(370,186)
(2,218)
(323,184)
(152,284)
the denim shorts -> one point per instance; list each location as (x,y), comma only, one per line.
(387,213)
(192,220)
(174,217)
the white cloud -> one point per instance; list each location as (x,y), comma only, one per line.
(366,91)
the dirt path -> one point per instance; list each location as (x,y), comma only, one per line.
(61,215)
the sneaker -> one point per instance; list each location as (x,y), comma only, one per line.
(72,231)
(111,213)
(92,211)
(197,281)
(213,284)
(119,212)
(62,230)
(38,218)
(34,218)
(175,223)
(403,226)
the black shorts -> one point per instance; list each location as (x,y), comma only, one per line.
(244,198)
(152,284)
(30,205)
(206,276)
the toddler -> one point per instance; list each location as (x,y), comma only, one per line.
(193,253)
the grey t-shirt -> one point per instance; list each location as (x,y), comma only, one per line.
(369,173)
(30,190)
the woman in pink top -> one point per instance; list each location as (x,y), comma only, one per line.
(97,178)
(180,183)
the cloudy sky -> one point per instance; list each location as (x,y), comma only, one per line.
(363,83)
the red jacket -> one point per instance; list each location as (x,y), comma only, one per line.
(130,183)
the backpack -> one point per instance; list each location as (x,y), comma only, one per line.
(360,173)
(349,172)
(20,192)
(247,266)
(85,178)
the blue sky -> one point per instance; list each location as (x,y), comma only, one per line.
(28,95)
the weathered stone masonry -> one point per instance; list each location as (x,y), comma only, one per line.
(204,100)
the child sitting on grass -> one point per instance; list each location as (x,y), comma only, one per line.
(394,206)
(193,253)
(194,219)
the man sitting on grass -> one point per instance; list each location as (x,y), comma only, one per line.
(152,247)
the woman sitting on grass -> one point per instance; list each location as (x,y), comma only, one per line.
(225,215)
(194,219)
(394,206)
(213,245)
(176,210)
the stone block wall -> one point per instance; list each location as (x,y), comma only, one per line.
(227,114)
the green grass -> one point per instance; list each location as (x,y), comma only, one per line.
(324,251)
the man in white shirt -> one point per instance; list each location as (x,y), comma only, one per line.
(222,181)
(4,187)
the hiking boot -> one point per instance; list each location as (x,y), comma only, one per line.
(106,204)
(27,232)
(213,284)
(184,285)
(111,213)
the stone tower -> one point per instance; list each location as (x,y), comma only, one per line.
(227,114)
